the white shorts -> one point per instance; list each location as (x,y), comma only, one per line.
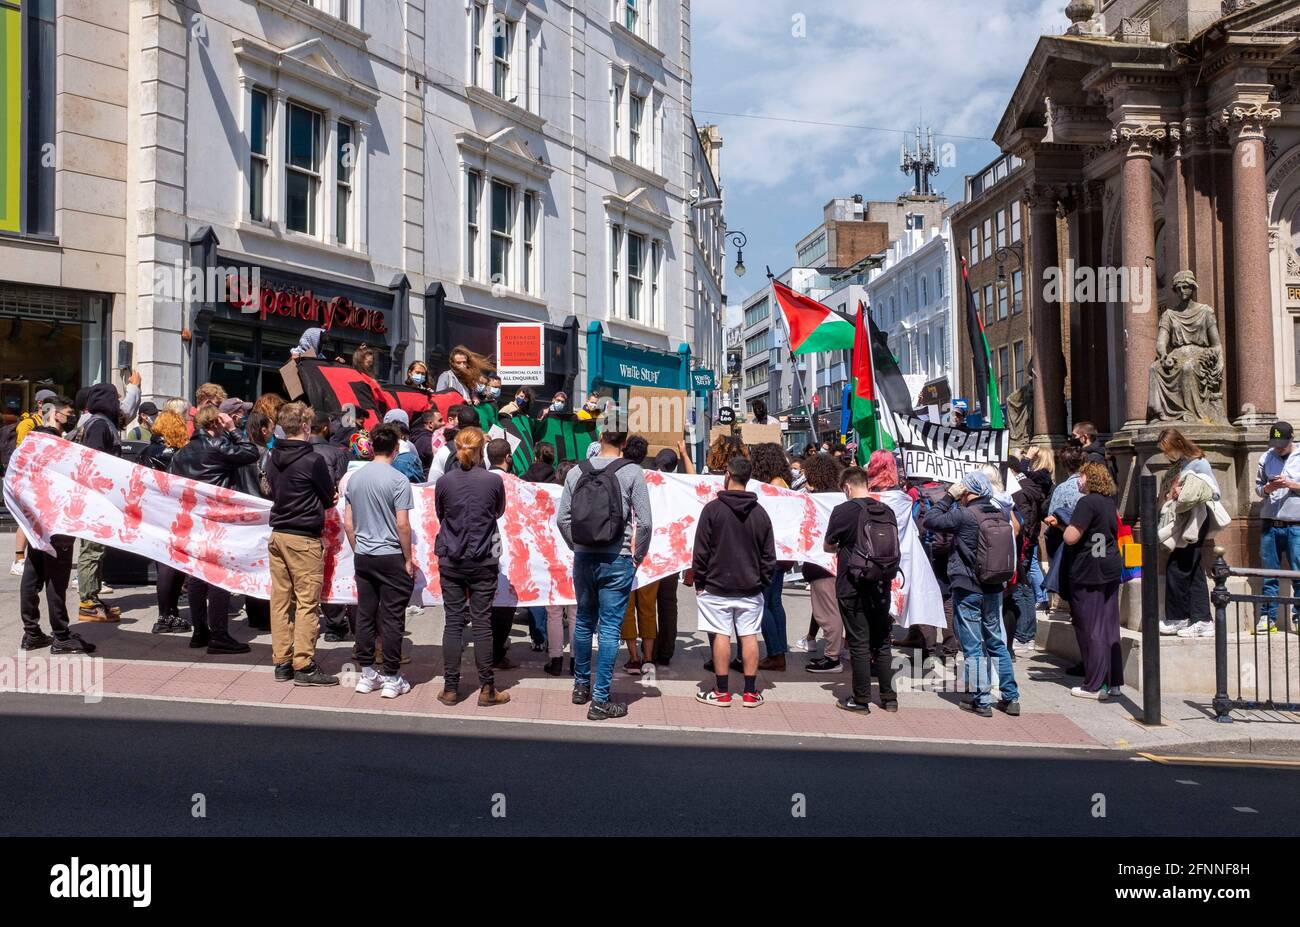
(739,615)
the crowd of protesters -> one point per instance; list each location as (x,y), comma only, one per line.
(997,554)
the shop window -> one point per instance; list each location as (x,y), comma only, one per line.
(302,157)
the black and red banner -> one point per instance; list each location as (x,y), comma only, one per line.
(329,386)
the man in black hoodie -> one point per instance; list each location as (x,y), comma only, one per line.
(301,489)
(735,557)
(99,432)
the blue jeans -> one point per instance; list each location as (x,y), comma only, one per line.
(603,583)
(1036,579)
(537,624)
(774,636)
(1022,594)
(1274,539)
(977,617)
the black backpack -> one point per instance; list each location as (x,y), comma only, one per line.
(876,554)
(995,557)
(596,507)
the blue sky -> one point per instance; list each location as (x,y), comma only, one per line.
(950,64)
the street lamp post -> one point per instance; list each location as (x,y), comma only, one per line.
(1001,256)
(739,239)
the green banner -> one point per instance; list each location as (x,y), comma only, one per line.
(11,115)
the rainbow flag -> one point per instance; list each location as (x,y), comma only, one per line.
(1132,552)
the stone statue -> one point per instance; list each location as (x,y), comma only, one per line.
(1186,382)
(1020,412)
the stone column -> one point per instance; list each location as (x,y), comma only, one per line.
(1140,318)
(1049,364)
(1251,281)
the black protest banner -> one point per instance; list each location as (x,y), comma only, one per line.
(329,386)
(945,452)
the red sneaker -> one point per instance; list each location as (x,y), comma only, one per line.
(751,700)
(714,697)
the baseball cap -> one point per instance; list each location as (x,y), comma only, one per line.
(234,406)
(45,395)
(148,408)
(1279,436)
(399,416)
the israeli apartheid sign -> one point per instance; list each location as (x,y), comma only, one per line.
(933,451)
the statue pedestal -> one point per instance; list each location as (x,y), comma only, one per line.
(1233,453)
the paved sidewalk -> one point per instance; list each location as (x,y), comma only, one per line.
(138,664)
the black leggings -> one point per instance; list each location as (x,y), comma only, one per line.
(170,583)
(1187,592)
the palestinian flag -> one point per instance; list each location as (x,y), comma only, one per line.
(519,433)
(866,418)
(569,435)
(986,384)
(812,326)
(891,389)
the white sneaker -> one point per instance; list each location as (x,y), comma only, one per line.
(802,646)
(1026,647)
(106,589)
(1263,626)
(1080,692)
(1117,692)
(395,686)
(1199,629)
(414,611)
(1170,628)
(370,680)
(17,568)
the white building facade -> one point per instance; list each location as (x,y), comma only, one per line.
(405,173)
(910,296)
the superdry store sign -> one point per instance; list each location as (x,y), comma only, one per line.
(303,305)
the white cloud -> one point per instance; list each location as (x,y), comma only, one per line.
(890,64)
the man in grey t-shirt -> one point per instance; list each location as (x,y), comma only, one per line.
(378,525)
(603,576)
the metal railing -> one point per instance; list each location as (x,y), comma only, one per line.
(1256,662)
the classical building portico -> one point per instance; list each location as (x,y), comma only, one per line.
(1169,138)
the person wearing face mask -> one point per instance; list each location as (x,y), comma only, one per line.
(488,398)
(516,421)
(466,369)
(571,435)
(417,377)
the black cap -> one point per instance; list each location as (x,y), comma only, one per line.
(1279,436)
(148,408)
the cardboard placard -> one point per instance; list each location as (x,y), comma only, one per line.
(292,383)
(658,415)
(719,431)
(753,434)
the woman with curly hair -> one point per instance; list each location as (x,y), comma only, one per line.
(1094,566)
(723,448)
(169,434)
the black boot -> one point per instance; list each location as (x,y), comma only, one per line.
(554,666)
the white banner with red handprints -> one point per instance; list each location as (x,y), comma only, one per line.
(53,487)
